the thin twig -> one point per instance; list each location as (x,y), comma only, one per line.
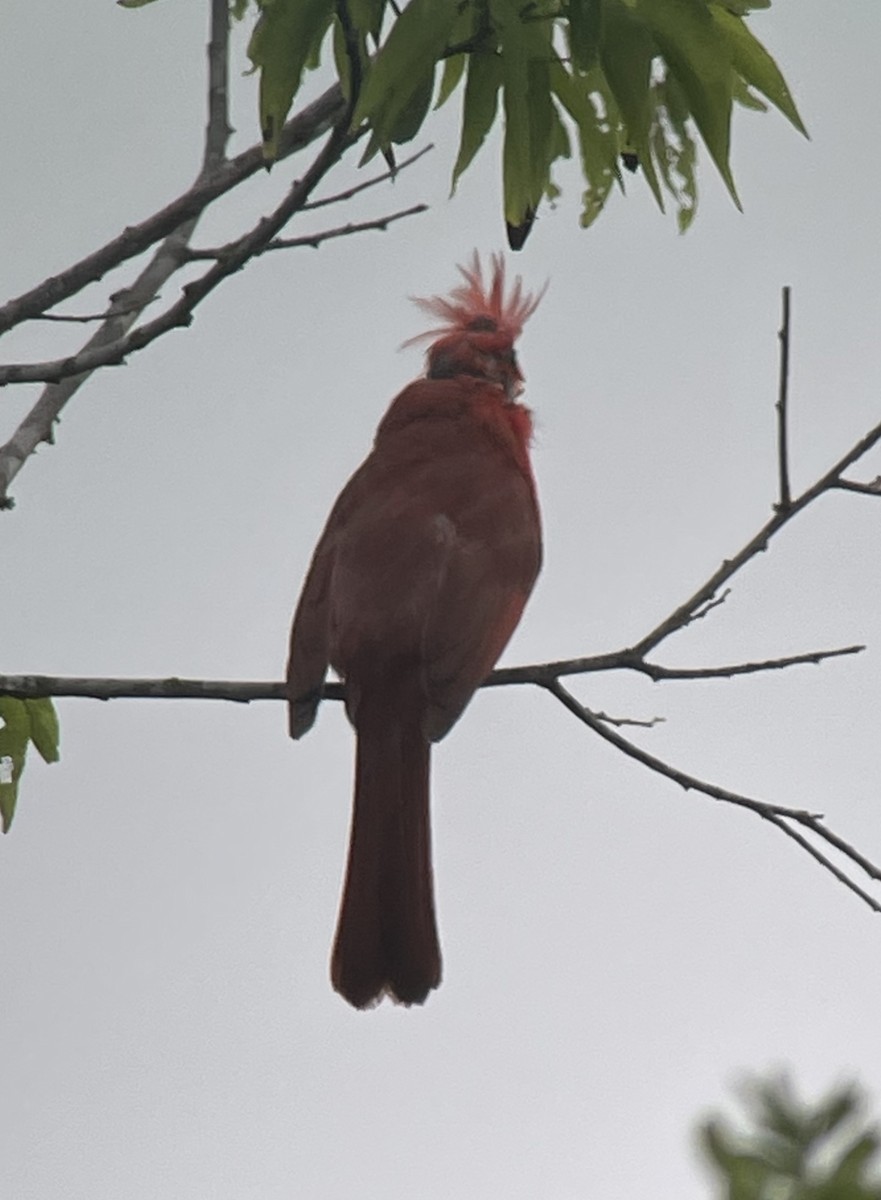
(779,815)
(659,673)
(126,305)
(300,131)
(681,616)
(340,197)
(785,497)
(873,488)
(629,660)
(821,858)
(180,313)
(685,781)
(621,722)
(701,612)
(90,318)
(314,240)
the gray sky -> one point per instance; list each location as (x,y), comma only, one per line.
(616,952)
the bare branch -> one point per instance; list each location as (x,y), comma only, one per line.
(685,781)
(821,858)
(629,660)
(872,488)
(218,131)
(684,614)
(779,815)
(315,239)
(813,657)
(299,132)
(27,687)
(369,183)
(180,314)
(701,612)
(88,318)
(129,303)
(38,425)
(785,497)
(620,722)
(539,674)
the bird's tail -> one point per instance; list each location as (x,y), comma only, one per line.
(386,940)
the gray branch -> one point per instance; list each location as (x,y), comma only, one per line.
(298,133)
(127,305)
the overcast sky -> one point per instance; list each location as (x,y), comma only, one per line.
(616,952)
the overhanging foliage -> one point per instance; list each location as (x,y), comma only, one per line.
(627,82)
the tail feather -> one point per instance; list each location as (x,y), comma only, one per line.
(386,940)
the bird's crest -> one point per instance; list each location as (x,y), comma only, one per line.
(480,305)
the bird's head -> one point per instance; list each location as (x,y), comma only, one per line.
(480,326)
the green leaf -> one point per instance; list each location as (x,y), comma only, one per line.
(744,96)
(15,734)
(700,56)
(133,3)
(597,137)
(403,70)
(44,727)
(740,8)
(454,69)
(753,62)
(584,33)
(478,108)
(366,16)
(626,53)
(283,39)
(528,147)
(411,117)
(856,1157)
(674,149)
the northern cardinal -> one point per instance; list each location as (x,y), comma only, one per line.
(415,587)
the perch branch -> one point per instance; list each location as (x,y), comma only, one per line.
(244,691)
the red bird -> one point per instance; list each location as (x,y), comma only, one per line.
(415,587)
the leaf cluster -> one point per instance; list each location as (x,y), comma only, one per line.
(620,81)
(23,722)
(796,1151)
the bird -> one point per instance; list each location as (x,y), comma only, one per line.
(416,584)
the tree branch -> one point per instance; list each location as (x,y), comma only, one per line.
(872,488)
(707,592)
(779,815)
(785,496)
(243,691)
(629,660)
(340,197)
(180,314)
(299,132)
(128,304)
(315,239)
